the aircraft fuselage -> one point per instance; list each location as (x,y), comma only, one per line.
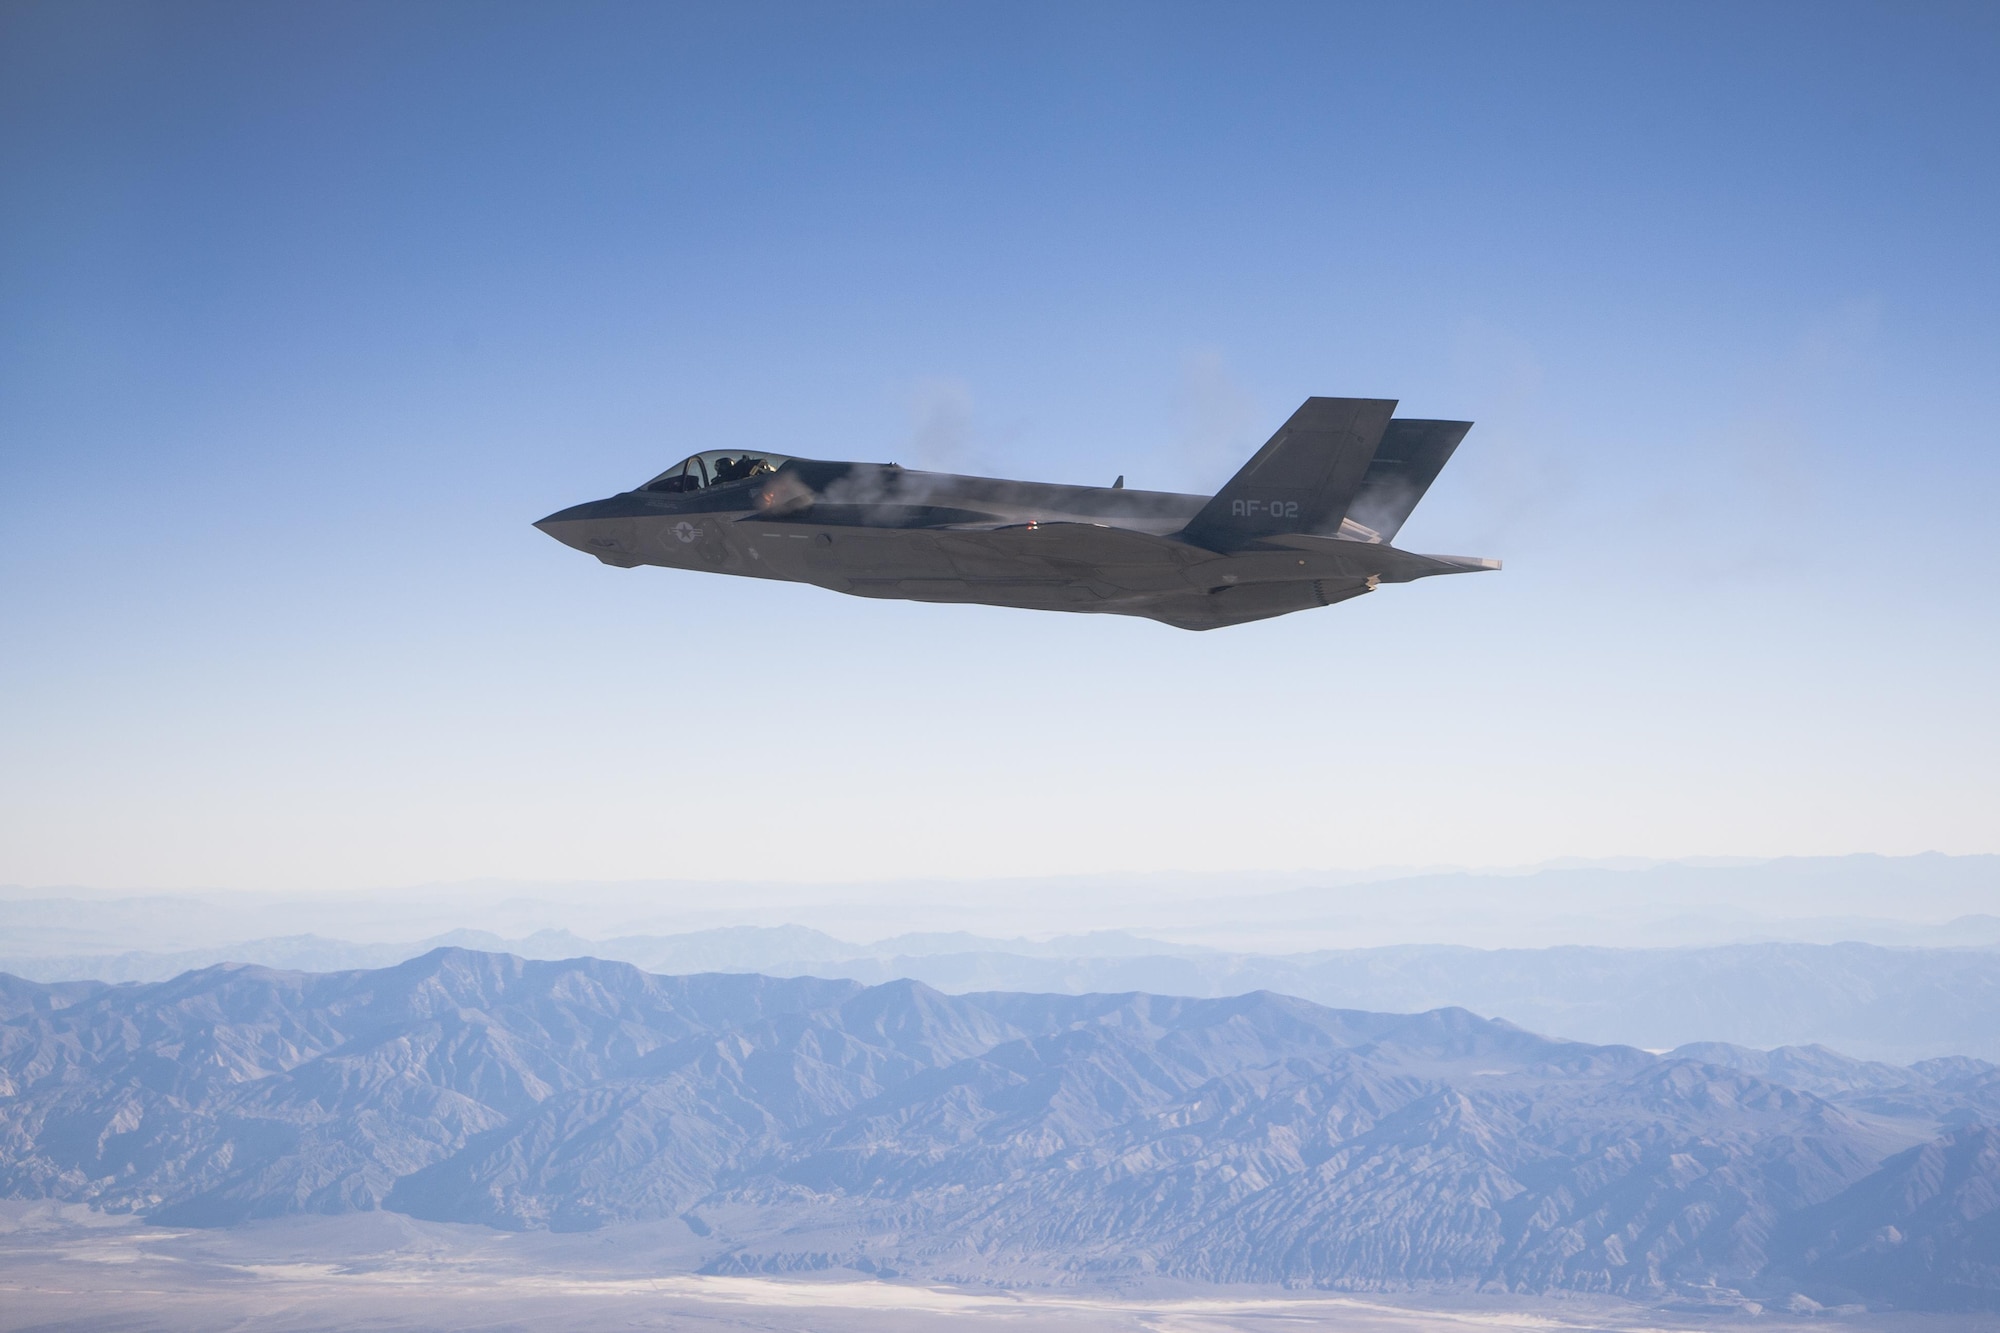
(879,530)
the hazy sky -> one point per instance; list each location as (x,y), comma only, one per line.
(307,311)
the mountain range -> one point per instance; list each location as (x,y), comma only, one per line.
(1879,1002)
(809,1124)
(1929,900)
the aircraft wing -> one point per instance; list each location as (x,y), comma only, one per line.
(1141,562)
(1121,558)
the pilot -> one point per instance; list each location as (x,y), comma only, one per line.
(731,469)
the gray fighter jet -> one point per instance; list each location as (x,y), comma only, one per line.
(1308,522)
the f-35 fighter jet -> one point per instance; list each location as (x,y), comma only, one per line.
(1308,522)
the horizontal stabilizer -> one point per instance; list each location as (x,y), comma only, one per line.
(1302,480)
(1391,564)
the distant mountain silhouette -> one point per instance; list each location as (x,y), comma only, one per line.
(1887,1003)
(804,1124)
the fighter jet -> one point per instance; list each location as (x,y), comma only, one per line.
(1309,521)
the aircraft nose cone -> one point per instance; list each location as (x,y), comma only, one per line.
(577,522)
(591,529)
(589,509)
(566,526)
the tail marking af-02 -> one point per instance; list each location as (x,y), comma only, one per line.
(1307,522)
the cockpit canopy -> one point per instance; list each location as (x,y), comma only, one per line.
(717,467)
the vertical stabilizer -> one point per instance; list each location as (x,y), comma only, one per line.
(1411,455)
(1303,480)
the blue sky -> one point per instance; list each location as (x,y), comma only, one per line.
(307,311)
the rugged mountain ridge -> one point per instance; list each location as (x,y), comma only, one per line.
(802,1123)
(1887,1003)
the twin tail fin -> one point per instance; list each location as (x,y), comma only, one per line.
(1304,477)
(1341,466)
